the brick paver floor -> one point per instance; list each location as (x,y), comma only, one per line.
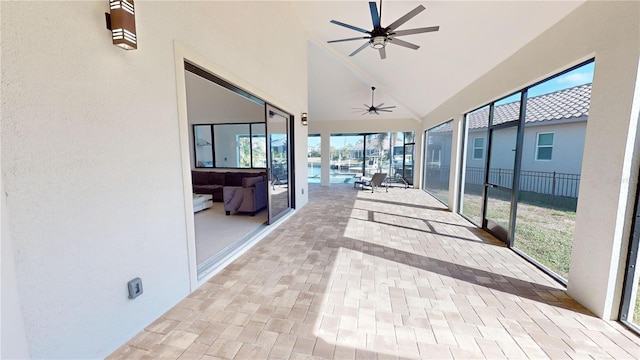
(361,275)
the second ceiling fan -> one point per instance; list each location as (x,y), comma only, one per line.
(380,36)
(374,109)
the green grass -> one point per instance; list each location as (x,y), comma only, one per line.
(544,225)
(544,228)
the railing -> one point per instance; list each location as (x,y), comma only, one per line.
(541,182)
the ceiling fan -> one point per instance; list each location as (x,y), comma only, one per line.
(380,36)
(374,109)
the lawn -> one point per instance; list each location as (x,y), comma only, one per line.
(544,226)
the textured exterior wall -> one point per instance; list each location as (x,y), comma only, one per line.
(91,157)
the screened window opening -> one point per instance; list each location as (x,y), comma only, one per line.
(525,190)
(437,168)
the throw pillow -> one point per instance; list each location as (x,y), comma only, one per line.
(251,181)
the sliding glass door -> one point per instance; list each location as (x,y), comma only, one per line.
(278,162)
(499,181)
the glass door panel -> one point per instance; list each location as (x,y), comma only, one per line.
(499,185)
(502,156)
(472,177)
(278,162)
(407,168)
(498,212)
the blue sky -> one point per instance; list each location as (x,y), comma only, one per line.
(579,76)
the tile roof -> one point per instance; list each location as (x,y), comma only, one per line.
(564,104)
(568,103)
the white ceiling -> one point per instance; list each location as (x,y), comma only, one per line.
(474,37)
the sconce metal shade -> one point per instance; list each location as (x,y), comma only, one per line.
(123,24)
(304,119)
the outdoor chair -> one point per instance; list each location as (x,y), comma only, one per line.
(376,181)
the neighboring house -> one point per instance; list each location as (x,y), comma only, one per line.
(555,128)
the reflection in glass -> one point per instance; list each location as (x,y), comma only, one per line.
(203,145)
(278,149)
(553,144)
(438,161)
(475,157)
(258,146)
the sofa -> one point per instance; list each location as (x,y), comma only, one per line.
(248,198)
(211,182)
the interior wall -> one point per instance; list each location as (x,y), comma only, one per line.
(610,31)
(91,158)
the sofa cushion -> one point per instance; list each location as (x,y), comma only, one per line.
(234,178)
(199,177)
(217,178)
(251,181)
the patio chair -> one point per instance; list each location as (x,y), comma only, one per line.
(376,181)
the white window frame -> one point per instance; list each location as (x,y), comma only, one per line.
(474,148)
(538,146)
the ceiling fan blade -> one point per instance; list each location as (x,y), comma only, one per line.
(375,17)
(349,26)
(383,53)
(378,107)
(394,25)
(404,43)
(365,113)
(349,39)
(387,108)
(360,48)
(415,31)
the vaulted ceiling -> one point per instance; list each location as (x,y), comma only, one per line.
(474,37)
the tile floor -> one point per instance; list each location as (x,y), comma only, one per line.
(356,275)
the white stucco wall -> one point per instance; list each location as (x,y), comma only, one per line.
(568,148)
(91,155)
(610,32)
(13,339)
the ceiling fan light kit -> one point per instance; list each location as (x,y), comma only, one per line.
(380,36)
(378,42)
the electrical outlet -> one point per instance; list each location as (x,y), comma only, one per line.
(135,288)
(302,191)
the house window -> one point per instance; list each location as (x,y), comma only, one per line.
(544,146)
(478,148)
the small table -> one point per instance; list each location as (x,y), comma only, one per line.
(201,202)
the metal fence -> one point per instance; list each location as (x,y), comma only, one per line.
(541,182)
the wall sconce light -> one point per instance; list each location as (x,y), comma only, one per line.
(122,23)
(304,119)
